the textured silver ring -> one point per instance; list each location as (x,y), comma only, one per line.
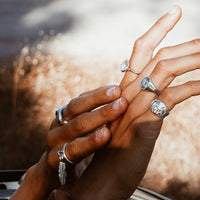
(59,116)
(147,84)
(159,108)
(64,155)
(125,67)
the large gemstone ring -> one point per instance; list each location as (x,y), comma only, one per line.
(147,84)
(125,67)
(159,108)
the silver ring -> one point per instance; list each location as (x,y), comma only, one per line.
(62,173)
(125,67)
(159,108)
(59,116)
(147,84)
(64,155)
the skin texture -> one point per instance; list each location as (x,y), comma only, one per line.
(83,133)
(117,169)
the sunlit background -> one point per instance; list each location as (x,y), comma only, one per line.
(51,50)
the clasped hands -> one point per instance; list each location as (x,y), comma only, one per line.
(124,147)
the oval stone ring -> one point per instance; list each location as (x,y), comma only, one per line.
(125,67)
(147,84)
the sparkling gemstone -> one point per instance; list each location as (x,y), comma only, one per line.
(124,66)
(144,83)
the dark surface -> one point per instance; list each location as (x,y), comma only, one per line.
(11,175)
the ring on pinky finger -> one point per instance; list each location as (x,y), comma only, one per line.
(174,95)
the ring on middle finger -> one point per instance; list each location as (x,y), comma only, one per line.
(147,84)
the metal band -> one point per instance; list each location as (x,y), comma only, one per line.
(159,108)
(59,116)
(147,84)
(64,155)
(125,67)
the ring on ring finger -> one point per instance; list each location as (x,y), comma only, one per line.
(159,108)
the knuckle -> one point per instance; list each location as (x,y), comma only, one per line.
(191,86)
(70,107)
(168,95)
(196,42)
(139,43)
(162,67)
(162,53)
(80,123)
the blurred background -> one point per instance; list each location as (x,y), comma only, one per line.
(52,50)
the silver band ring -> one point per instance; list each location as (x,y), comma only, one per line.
(62,173)
(125,67)
(159,108)
(59,116)
(147,84)
(65,157)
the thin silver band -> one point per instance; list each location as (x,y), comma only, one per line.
(129,69)
(64,155)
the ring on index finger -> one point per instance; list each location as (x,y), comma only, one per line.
(125,67)
(59,115)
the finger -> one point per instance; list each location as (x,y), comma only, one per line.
(85,146)
(148,125)
(166,70)
(81,147)
(180,50)
(163,74)
(89,101)
(177,94)
(144,46)
(86,122)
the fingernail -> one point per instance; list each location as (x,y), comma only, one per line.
(100,133)
(173,10)
(117,104)
(111,92)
